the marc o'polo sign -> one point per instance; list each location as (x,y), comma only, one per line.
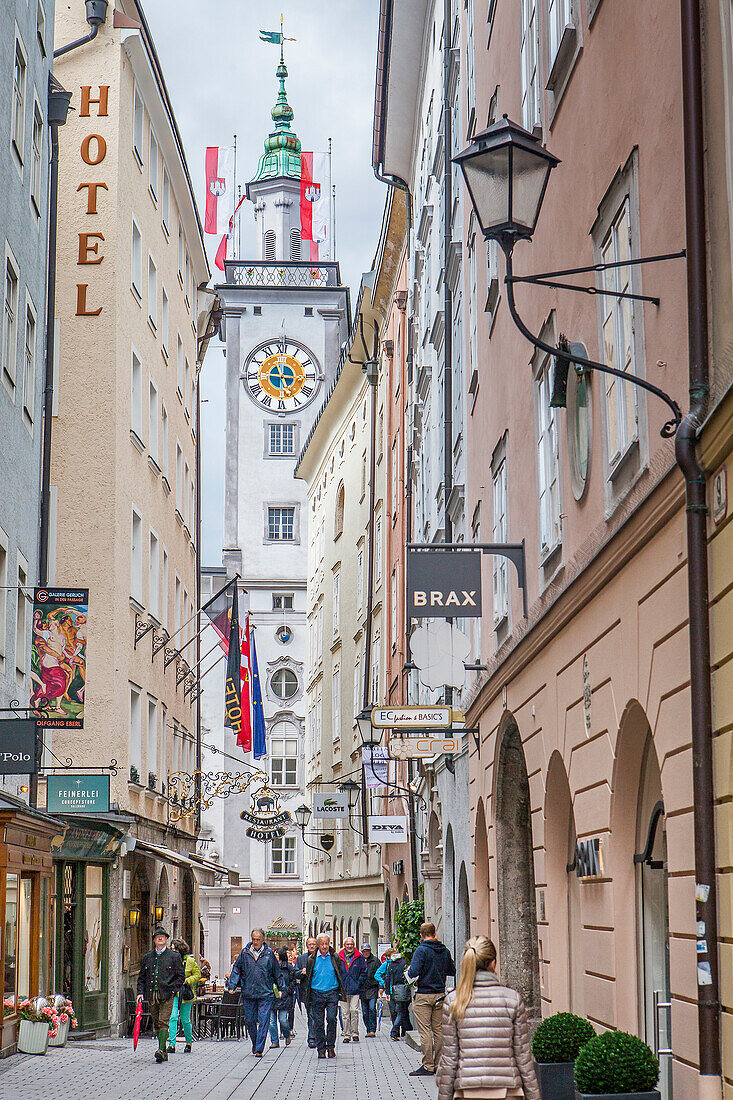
(443,584)
(17,746)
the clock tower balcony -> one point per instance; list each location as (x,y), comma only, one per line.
(287,274)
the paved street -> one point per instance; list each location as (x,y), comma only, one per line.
(108,1070)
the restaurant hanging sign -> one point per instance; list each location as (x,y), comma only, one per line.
(443,584)
(59,656)
(267,819)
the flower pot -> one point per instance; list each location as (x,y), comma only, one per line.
(32,1037)
(653,1094)
(556,1080)
(61,1036)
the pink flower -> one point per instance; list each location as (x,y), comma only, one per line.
(52,1034)
(63,1017)
(74,1024)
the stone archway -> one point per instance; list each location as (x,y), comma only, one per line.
(463,914)
(449,891)
(481,898)
(565,946)
(388,914)
(517,907)
(163,897)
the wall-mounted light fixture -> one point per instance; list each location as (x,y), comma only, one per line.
(133,916)
(158,914)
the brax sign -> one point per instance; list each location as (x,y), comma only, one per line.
(443,584)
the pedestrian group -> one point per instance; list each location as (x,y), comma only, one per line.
(474,1039)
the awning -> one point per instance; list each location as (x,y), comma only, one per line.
(168,855)
(97,838)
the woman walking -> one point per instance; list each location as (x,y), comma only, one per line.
(280,1011)
(486,1049)
(183,1001)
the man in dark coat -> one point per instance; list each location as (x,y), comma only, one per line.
(255,974)
(324,988)
(369,991)
(300,967)
(161,976)
(431,964)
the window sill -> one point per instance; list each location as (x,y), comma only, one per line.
(153,465)
(137,605)
(623,460)
(136,294)
(546,557)
(166,485)
(153,325)
(565,51)
(136,441)
(179,518)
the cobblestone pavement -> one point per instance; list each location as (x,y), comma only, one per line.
(374,1069)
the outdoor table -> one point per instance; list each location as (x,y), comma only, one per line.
(201,1012)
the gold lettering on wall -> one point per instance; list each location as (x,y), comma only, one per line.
(92,195)
(87,246)
(101,149)
(86,100)
(81,302)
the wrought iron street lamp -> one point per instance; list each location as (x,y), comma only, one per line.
(302,816)
(351,788)
(133,916)
(370,737)
(507,170)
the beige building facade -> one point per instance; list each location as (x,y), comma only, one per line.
(125,518)
(343,891)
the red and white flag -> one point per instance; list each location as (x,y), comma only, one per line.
(314,199)
(245,737)
(219,189)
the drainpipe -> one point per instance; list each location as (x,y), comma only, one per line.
(371,367)
(447,292)
(708,994)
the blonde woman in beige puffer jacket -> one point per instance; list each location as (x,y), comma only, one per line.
(486,1049)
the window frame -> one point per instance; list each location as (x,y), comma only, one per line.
(28,396)
(138,126)
(136,262)
(269,508)
(10,324)
(18,105)
(547,460)
(283,843)
(36,173)
(136,557)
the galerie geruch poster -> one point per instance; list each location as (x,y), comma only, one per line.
(59,656)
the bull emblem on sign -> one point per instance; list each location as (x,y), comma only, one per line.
(313,192)
(218,187)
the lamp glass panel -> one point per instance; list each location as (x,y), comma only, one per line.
(487,178)
(529,173)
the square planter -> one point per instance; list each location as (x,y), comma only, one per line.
(61,1036)
(654,1094)
(32,1037)
(556,1080)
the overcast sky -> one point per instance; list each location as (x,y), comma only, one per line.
(221,81)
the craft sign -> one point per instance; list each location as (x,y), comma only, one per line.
(416,748)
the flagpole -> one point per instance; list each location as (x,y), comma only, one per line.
(333,190)
(208,670)
(331,252)
(202,608)
(234,239)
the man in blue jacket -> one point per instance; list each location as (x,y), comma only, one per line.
(431,964)
(255,974)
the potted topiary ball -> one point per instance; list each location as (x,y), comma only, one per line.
(555,1047)
(614,1065)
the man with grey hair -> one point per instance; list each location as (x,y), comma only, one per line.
(324,988)
(255,974)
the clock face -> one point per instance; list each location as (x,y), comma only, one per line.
(281,375)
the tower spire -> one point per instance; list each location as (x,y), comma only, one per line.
(282,145)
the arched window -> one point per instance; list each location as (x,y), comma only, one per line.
(338,523)
(294,244)
(270,244)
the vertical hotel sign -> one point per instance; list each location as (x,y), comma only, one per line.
(59,656)
(93,150)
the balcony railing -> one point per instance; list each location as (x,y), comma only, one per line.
(275,273)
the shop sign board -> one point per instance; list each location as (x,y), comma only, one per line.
(416,748)
(331,804)
(17,746)
(414,718)
(387,829)
(444,585)
(376,766)
(77,794)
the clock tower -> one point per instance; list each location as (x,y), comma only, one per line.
(285,319)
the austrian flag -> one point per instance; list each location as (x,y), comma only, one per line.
(219,189)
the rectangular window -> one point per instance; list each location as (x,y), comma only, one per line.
(10,324)
(393,609)
(188,280)
(154,576)
(137,397)
(529,61)
(152,293)
(164,591)
(360,580)
(618,338)
(187,385)
(136,564)
(282,602)
(36,162)
(320,631)
(500,534)
(153,166)
(135,733)
(29,365)
(394,476)
(163,777)
(336,601)
(136,275)
(152,776)
(137,128)
(282,855)
(357,686)
(3,593)
(177,608)
(165,206)
(336,704)
(164,441)
(179,367)
(378,549)
(281,524)
(376,661)
(179,479)
(164,323)
(153,413)
(284,761)
(41,28)
(186,495)
(547,464)
(559,16)
(22,619)
(181,252)
(17,130)
(281,439)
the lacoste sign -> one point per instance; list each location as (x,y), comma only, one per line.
(330,804)
(443,584)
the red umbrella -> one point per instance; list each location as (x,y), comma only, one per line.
(136,1028)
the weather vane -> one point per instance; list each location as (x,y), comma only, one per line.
(277,38)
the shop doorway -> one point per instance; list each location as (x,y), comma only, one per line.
(517,916)
(653,930)
(83,940)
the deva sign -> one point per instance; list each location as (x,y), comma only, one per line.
(443,584)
